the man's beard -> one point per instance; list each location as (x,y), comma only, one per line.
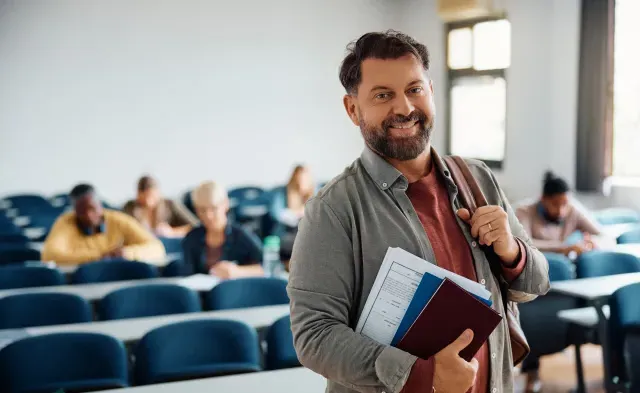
(380,140)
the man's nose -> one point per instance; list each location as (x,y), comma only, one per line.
(403,106)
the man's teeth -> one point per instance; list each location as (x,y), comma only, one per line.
(403,125)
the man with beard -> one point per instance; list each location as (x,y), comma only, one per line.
(400,193)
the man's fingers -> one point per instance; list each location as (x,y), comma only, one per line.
(484,210)
(484,221)
(462,341)
(491,237)
(464,215)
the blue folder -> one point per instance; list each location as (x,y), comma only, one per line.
(425,291)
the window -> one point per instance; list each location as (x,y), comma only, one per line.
(478,53)
(626,90)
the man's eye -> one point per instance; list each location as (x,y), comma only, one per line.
(416,90)
(382,96)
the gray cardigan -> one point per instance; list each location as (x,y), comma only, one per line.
(340,246)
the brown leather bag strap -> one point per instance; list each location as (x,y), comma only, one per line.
(478,195)
(467,199)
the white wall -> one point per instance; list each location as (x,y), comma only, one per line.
(104,91)
(541,86)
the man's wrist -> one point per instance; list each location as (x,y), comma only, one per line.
(512,257)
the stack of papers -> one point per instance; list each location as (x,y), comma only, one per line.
(404,284)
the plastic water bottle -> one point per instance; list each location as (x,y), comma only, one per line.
(271,256)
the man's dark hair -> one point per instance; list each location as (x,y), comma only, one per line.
(553,185)
(81,190)
(390,44)
(146,183)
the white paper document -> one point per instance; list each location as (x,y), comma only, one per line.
(393,290)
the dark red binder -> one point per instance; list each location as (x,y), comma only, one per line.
(446,316)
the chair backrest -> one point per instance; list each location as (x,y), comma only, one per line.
(196,349)
(187,202)
(27,203)
(606,263)
(175,268)
(624,315)
(60,200)
(280,350)
(148,300)
(560,267)
(43,309)
(8,227)
(18,276)
(241,194)
(113,270)
(630,237)
(44,220)
(15,239)
(18,254)
(64,361)
(614,216)
(172,245)
(247,292)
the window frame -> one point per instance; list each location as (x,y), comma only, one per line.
(453,74)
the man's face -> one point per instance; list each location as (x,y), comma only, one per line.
(556,207)
(88,211)
(394,107)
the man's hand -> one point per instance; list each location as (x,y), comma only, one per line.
(225,270)
(575,250)
(490,225)
(453,374)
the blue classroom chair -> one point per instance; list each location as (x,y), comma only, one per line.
(187,202)
(629,237)
(70,362)
(19,276)
(624,319)
(17,254)
(280,350)
(15,239)
(27,204)
(615,216)
(546,333)
(605,263)
(148,300)
(43,309)
(242,194)
(113,270)
(196,349)
(172,245)
(247,292)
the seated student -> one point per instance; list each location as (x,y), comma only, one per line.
(161,216)
(549,222)
(219,247)
(298,191)
(91,233)
(553,218)
(287,207)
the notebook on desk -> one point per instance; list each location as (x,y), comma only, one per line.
(449,312)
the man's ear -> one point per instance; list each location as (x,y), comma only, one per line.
(350,106)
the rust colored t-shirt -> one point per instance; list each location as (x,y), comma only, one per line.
(430,199)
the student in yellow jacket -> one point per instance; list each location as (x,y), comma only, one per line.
(91,233)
